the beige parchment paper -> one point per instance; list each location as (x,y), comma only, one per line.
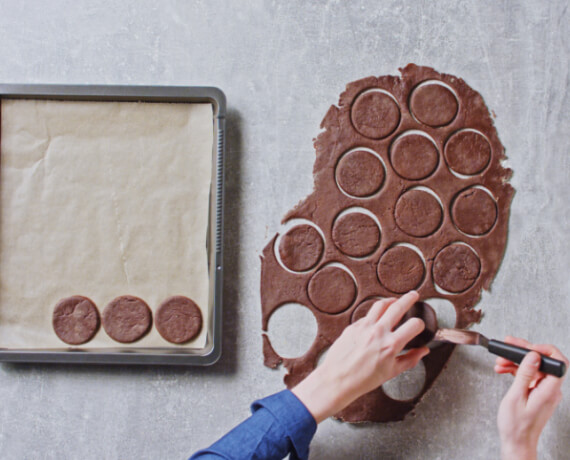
(101,199)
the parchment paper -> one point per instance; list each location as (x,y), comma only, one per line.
(101,199)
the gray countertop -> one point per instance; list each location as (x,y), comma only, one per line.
(281,65)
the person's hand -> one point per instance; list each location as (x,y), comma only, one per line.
(366,355)
(529,403)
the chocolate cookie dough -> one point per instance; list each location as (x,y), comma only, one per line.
(356,234)
(332,289)
(400,269)
(127,319)
(467,152)
(375,114)
(433,139)
(301,248)
(456,268)
(360,173)
(433,104)
(414,156)
(474,211)
(75,320)
(178,319)
(418,213)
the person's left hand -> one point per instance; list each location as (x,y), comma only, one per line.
(367,354)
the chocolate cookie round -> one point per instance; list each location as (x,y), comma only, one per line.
(467,152)
(427,314)
(356,234)
(400,269)
(301,248)
(332,290)
(360,173)
(374,114)
(474,211)
(418,213)
(178,319)
(127,319)
(433,104)
(414,156)
(75,319)
(456,268)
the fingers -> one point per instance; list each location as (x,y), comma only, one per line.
(378,309)
(394,314)
(410,359)
(526,373)
(408,331)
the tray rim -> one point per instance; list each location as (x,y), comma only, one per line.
(211,353)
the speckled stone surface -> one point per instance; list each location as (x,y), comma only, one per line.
(281,65)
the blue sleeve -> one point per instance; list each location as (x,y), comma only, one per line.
(279,425)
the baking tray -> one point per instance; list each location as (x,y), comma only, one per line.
(156,355)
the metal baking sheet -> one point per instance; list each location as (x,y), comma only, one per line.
(211,352)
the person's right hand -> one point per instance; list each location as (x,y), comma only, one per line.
(367,354)
(529,403)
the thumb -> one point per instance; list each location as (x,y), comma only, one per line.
(526,373)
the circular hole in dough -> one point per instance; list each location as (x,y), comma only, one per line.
(332,289)
(414,156)
(418,213)
(355,234)
(467,152)
(434,104)
(359,173)
(301,247)
(474,211)
(75,319)
(444,310)
(291,329)
(407,385)
(375,114)
(456,268)
(401,269)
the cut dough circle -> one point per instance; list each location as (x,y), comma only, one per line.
(356,234)
(178,319)
(332,290)
(400,269)
(360,173)
(127,318)
(375,115)
(418,213)
(414,156)
(433,105)
(75,319)
(474,211)
(456,268)
(467,152)
(301,248)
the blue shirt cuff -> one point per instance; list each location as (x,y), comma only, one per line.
(294,417)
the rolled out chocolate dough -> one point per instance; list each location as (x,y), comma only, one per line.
(420,153)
